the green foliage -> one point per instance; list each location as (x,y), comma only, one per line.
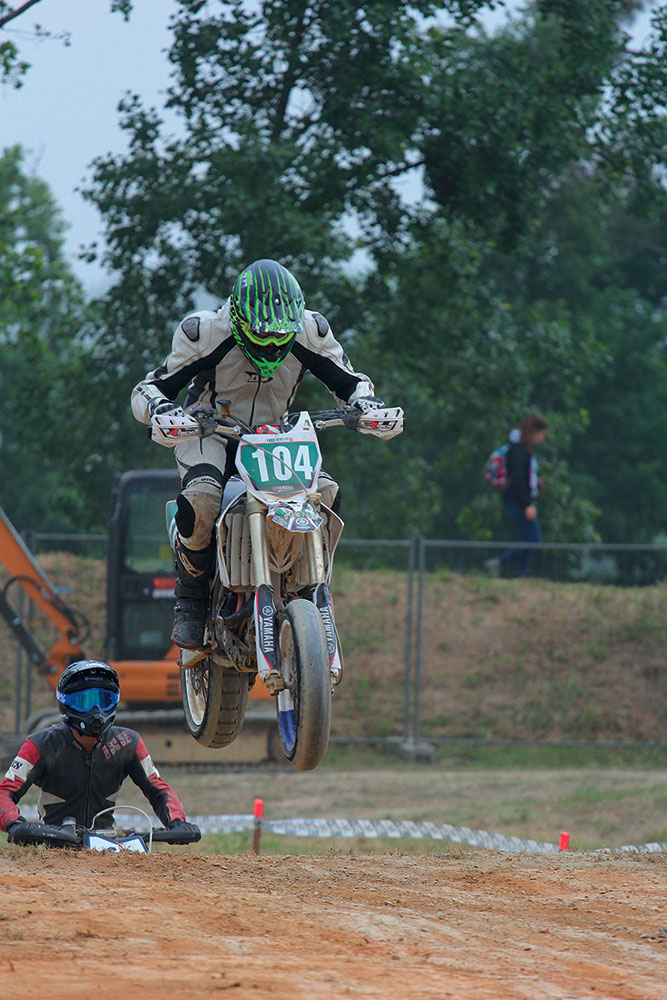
(525,271)
(61,413)
(12,67)
(41,354)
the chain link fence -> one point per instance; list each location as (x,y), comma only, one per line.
(438,640)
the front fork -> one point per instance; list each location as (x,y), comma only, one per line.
(265,611)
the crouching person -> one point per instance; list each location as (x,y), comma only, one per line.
(80,763)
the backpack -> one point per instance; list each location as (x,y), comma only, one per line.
(495,468)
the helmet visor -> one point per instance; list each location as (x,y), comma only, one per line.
(88,698)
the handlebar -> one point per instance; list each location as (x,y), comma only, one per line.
(212,421)
(27,834)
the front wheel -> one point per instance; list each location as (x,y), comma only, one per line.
(214,701)
(304,707)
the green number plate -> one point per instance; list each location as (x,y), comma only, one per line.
(282,467)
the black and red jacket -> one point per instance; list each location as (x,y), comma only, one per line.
(80,784)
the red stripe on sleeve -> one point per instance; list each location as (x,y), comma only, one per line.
(174,806)
(142,751)
(29,752)
(12,783)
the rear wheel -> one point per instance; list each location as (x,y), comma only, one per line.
(214,702)
(304,708)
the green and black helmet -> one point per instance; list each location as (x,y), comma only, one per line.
(266,312)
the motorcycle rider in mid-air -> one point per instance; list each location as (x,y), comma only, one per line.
(253,351)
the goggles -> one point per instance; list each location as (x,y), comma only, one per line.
(277,337)
(87,698)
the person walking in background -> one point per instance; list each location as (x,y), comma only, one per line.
(521,492)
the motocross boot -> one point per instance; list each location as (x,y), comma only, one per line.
(193,572)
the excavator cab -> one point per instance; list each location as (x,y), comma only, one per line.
(140,569)
(140,602)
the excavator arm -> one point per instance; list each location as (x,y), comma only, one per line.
(24,571)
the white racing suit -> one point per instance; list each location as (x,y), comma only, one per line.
(205,357)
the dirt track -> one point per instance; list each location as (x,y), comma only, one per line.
(468,927)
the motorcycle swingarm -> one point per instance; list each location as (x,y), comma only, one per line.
(229,651)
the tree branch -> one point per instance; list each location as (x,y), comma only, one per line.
(4,18)
(402,169)
(290,76)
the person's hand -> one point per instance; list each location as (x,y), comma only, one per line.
(531,512)
(366,403)
(186,829)
(170,425)
(159,406)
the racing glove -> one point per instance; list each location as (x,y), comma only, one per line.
(367,403)
(170,425)
(159,405)
(186,830)
(14,822)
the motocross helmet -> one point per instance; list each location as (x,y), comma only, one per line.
(87,694)
(266,312)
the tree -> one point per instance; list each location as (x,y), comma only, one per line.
(42,356)
(488,296)
(522,148)
(296,116)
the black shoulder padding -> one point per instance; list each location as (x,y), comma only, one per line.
(322,324)
(190,327)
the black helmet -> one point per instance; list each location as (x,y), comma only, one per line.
(87,693)
(266,312)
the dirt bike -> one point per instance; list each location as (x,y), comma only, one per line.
(271,610)
(94,838)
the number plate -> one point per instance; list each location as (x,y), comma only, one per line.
(283,468)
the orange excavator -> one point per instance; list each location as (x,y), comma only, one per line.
(140,599)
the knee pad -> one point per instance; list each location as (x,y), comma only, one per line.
(198,506)
(185,516)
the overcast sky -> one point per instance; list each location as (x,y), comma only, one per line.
(65,114)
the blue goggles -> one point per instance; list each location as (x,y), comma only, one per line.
(84,700)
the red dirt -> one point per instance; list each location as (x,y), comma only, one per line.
(478,926)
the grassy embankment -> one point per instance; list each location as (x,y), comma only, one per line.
(502,659)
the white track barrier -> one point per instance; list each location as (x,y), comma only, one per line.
(373,829)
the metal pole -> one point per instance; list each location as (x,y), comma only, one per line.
(408,640)
(19,673)
(418,645)
(29,539)
(29,669)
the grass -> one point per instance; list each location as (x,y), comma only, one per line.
(501,659)
(603,799)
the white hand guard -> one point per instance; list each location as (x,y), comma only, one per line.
(170,425)
(382,421)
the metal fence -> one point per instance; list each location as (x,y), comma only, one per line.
(396,669)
